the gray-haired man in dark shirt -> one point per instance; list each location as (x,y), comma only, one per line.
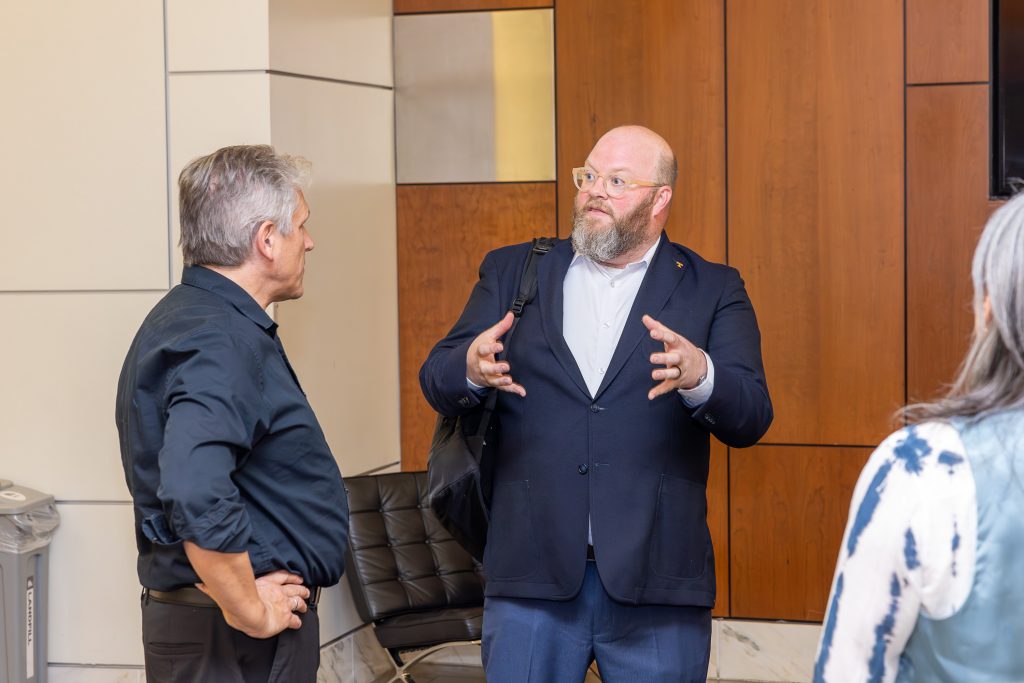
(241,516)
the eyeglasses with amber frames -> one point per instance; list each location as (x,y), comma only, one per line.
(615,184)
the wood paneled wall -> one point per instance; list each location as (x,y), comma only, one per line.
(948,167)
(788,507)
(718,523)
(664,68)
(947,41)
(947,205)
(789,122)
(815,188)
(816,208)
(444,231)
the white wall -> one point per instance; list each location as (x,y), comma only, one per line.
(105,103)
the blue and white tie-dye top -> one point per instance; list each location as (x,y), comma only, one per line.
(909,550)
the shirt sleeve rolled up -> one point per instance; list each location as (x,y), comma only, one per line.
(214,413)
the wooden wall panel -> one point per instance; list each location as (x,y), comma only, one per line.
(429,6)
(718,522)
(947,206)
(444,231)
(788,510)
(663,68)
(815,140)
(947,41)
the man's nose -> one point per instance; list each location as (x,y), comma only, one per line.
(598,189)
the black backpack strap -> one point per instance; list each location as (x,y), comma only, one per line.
(528,281)
(527,290)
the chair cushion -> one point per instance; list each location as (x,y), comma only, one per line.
(423,629)
(400,557)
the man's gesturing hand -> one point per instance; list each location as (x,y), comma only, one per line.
(482,368)
(684,363)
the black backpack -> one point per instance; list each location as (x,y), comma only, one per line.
(458,468)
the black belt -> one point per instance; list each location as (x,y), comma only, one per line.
(193,597)
(590,552)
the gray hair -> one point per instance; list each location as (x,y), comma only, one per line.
(991,376)
(225,197)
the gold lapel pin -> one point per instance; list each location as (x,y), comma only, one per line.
(678,264)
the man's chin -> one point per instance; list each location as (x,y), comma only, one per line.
(292,295)
(597,224)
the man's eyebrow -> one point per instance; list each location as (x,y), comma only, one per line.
(614,169)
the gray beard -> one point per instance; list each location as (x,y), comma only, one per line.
(625,234)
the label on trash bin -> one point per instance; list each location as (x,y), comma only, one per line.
(30,599)
(13,495)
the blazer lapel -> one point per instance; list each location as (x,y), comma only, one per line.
(550,275)
(665,272)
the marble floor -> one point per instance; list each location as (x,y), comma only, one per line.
(464,672)
(461,664)
(455,673)
(461,673)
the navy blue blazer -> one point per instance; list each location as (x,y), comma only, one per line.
(638,468)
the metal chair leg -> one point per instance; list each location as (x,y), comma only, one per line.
(401,669)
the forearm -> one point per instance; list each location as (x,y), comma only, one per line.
(228,578)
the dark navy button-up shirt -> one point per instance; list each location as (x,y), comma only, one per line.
(220,446)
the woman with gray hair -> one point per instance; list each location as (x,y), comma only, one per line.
(927,587)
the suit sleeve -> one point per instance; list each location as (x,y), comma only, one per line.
(739,410)
(443,375)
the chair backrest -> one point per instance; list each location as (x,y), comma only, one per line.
(400,558)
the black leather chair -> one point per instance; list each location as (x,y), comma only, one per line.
(417,586)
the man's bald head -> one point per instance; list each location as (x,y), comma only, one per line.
(649,144)
(625,190)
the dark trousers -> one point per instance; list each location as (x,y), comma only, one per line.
(548,641)
(184,643)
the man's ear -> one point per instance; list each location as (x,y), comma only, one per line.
(661,203)
(266,234)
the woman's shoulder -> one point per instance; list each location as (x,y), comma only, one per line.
(921,449)
(915,472)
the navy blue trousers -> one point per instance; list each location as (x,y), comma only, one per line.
(548,641)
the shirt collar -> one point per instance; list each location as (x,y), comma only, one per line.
(645,259)
(212,281)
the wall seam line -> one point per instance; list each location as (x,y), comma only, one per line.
(167,152)
(276,72)
(81,291)
(906,225)
(938,85)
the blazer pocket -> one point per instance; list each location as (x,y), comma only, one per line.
(511,549)
(681,542)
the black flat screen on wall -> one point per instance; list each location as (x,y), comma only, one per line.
(1008,97)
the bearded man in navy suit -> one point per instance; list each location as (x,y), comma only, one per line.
(634,352)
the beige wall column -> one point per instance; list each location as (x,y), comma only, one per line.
(107,101)
(331,101)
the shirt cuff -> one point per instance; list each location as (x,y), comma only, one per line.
(699,394)
(475,388)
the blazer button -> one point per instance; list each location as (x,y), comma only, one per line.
(583,469)
(594,408)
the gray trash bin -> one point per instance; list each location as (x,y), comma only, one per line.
(27,521)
